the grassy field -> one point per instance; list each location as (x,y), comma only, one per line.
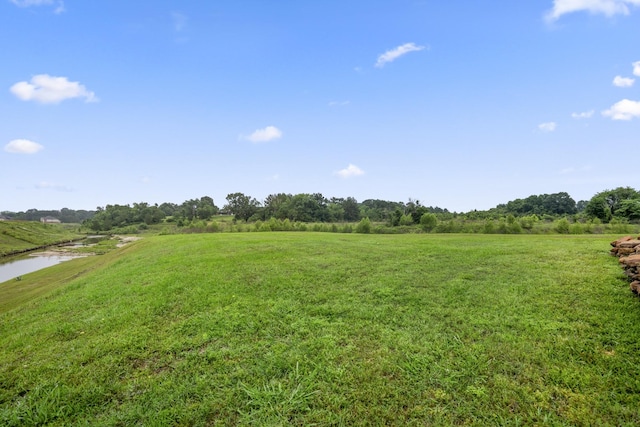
(328,329)
(24,235)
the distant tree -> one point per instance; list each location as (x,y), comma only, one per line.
(428,221)
(606,204)
(351,209)
(630,209)
(336,211)
(241,206)
(581,205)
(277,206)
(308,208)
(206,208)
(380,210)
(543,204)
(169,209)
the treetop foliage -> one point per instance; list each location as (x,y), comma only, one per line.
(619,204)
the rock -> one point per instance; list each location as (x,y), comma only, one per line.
(631,260)
(625,251)
(628,244)
(615,243)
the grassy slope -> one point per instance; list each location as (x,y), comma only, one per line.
(296,329)
(23,235)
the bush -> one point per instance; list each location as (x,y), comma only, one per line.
(428,222)
(576,228)
(364,226)
(406,220)
(489,227)
(561,226)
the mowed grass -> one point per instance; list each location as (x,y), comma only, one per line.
(16,236)
(330,329)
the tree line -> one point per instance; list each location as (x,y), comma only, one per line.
(620,204)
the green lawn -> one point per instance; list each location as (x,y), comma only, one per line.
(329,329)
(25,235)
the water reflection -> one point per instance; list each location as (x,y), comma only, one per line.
(16,267)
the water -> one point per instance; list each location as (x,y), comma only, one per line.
(17,267)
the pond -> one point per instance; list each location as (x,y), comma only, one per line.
(16,267)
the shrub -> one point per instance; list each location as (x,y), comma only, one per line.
(576,228)
(489,227)
(561,226)
(428,222)
(406,220)
(364,226)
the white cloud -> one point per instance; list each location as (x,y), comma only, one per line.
(179,21)
(623,81)
(58,10)
(45,185)
(623,110)
(28,3)
(349,171)
(605,7)
(23,146)
(393,54)
(583,115)
(547,127)
(636,68)
(48,89)
(267,134)
(338,103)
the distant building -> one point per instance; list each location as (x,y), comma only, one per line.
(4,218)
(49,220)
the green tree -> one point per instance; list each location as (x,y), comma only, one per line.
(605,204)
(351,209)
(277,205)
(428,221)
(241,206)
(630,209)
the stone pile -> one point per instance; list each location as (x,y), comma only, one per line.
(628,249)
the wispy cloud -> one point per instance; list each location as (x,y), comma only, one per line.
(267,134)
(620,81)
(623,110)
(45,185)
(338,103)
(636,68)
(23,146)
(47,89)
(179,21)
(548,126)
(350,171)
(27,3)
(583,115)
(604,7)
(393,54)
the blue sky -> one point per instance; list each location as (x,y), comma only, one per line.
(462,105)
